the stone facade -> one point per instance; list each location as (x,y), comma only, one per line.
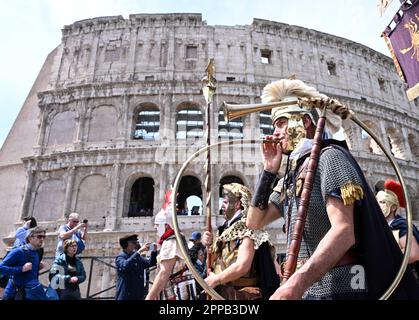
(73,146)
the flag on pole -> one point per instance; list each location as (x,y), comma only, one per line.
(383,5)
(403,43)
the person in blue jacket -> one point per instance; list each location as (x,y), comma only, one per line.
(22,265)
(130,266)
(29,223)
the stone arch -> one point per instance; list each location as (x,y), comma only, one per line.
(141,197)
(396,143)
(49,200)
(189,185)
(62,128)
(146,122)
(103,124)
(189,121)
(93,197)
(368,143)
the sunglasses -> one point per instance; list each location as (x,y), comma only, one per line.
(76,221)
(40,236)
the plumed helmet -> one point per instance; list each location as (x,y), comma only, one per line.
(395,188)
(291,89)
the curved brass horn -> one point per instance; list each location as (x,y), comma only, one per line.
(393,163)
(233,111)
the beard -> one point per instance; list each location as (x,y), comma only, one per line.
(229,211)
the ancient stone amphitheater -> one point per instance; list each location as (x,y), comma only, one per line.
(117,108)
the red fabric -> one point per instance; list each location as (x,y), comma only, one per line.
(397,189)
(169,232)
(167,199)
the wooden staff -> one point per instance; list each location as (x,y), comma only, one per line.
(208,90)
(296,236)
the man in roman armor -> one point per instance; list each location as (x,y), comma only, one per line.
(390,200)
(346,252)
(241,259)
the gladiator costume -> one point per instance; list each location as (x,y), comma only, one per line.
(393,195)
(261,280)
(337,175)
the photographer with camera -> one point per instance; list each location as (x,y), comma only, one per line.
(130,264)
(72,230)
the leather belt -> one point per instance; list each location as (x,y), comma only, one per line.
(243,282)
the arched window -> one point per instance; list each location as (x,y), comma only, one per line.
(232,129)
(189,186)
(265,123)
(227,180)
(147,123)
(369,143)
(142,198)
(194,205)
(189,122)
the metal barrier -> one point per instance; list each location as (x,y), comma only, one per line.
(87,288)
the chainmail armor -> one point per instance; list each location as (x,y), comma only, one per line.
(334,172)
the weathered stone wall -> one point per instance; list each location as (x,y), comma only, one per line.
(81,155)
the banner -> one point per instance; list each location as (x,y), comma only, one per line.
(403,43)
(383,5)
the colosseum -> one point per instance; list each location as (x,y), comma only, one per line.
(118,107)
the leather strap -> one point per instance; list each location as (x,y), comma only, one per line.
(243,282)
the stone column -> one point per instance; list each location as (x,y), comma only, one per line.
(105,283)
(92,60)
(80,120)
(24,207)
(124,131)
(41,133)
(110,223)
(250,65)
(69,191)
(384,135)
(408,151)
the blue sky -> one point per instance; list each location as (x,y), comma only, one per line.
(30,29)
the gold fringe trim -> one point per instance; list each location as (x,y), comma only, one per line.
(413,93)
(396,62)
(351,192)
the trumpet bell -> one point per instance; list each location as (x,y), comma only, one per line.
(234,111)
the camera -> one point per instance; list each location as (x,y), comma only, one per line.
(85,221)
